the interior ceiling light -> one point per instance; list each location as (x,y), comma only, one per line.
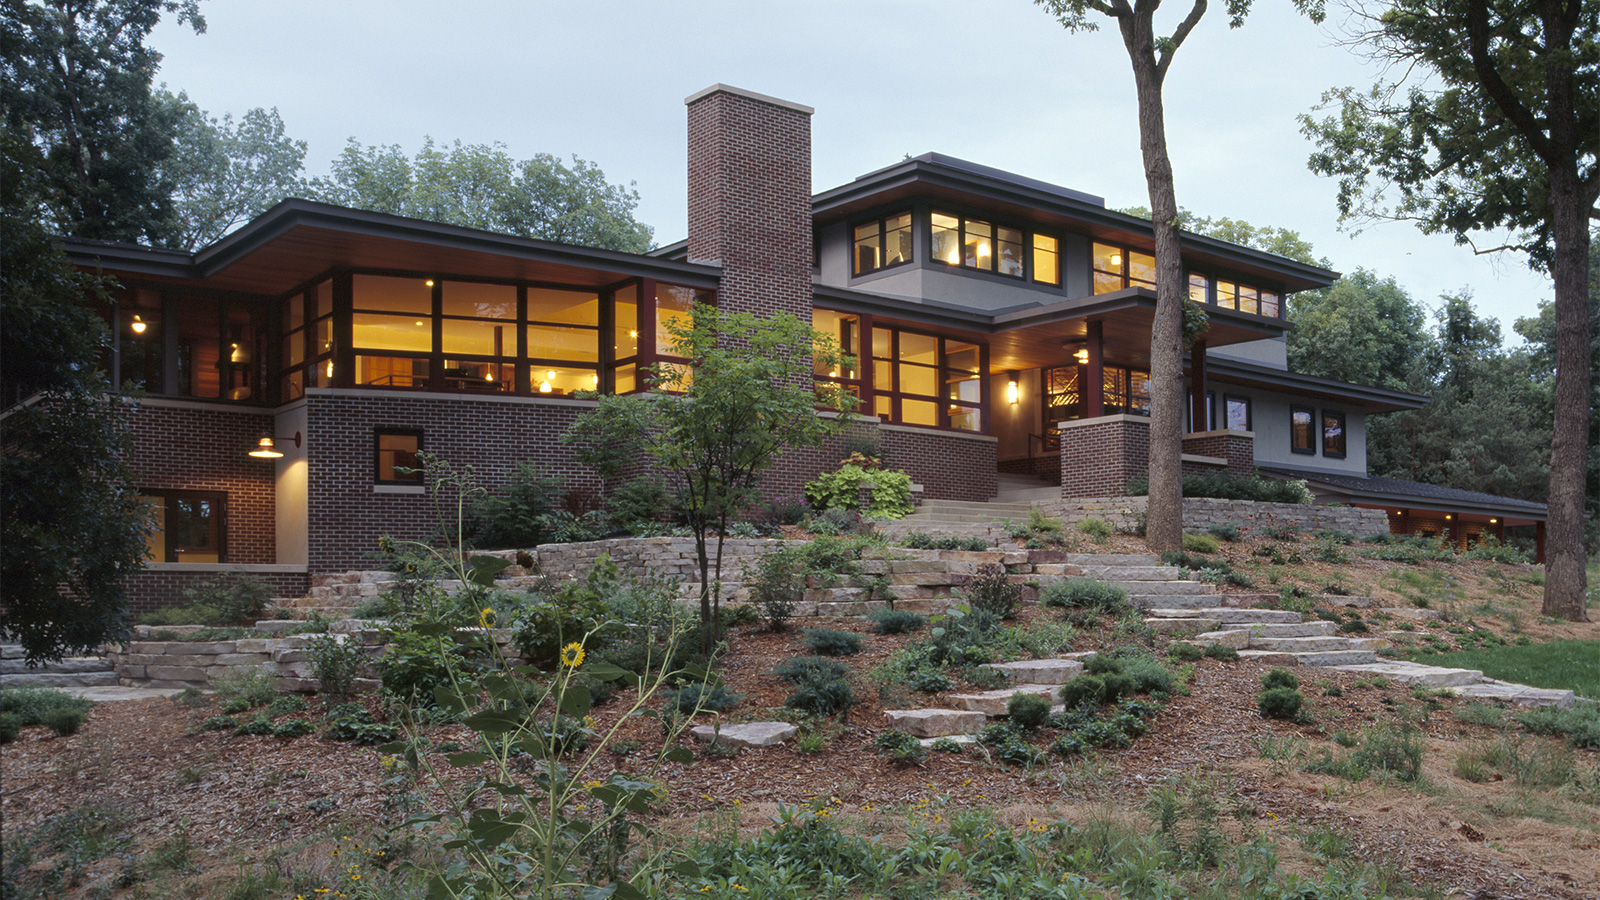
(139,325)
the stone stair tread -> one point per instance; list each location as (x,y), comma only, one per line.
(1228,615)
(1316,644)
(1131,573)
(1183,602)
(935,722)
(1039,671)
(1183,625)
(1334,657)
(60,679)
(1520,694)
(1137,587)
(993,703)
(1417,673)
(1113,559)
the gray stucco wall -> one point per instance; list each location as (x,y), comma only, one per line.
(1270,412)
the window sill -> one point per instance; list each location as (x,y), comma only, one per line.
(399,489)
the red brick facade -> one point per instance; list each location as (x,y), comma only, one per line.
(346,516)
(1237,448)
(947,465)
(750,198)
(1100,457)
(151,590)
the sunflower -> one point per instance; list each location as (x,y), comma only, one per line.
(572,655)
(486,617)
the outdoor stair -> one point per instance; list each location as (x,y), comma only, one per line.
(72,672)
(960,518)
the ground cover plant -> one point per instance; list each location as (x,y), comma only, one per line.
(1571,665)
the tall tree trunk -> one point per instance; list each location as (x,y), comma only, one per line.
(1164,526)
(1565,584)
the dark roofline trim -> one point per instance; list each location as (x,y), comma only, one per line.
(933,168)
(1505,506)
(1295,382)
(294,213)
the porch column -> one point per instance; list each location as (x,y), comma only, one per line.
(1538,541)
(1500,530)
(1094,391)
(1452,531)
(1197,382)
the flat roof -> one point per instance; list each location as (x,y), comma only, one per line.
(1382,491)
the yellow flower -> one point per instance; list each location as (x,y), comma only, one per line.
(572,655)
(486,617)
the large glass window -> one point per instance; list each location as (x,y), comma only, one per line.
(1302,431)
(922,379)
(1116,268)
(977,244)
(882,243)
(1239,415)
(1046,259)
(1233,295)
(190,526)
(1333,435)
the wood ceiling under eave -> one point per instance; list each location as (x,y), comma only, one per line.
(305,252)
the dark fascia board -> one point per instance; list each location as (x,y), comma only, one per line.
(294,213)
(675,250)
(1373,398)
(936,169)
(1518,509)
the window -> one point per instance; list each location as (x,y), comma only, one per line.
(395,451)
(1210,423)
(1302,433)
(1239,418)
(1125,391)
(1233,295)
(1333,434)
(920,379)
(190,526)
(1046,259)
(845,329)
(882,243)
(976,244)
(1116,268)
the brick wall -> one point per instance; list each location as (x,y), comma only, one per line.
(150,590)
(186,446)
(750,198)
(492,435)
(1099,458)
(947,465)
(1238,448)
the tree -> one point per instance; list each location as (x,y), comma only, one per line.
(1271,239)
(482,186)
(224,173)
(715,425)
(1505,135)
(1151,57)
(75,80)
(73,525)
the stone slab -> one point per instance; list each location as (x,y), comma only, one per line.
(58,667)
(1417,673)
(1270,657)
(993,703)
(1039,671)
(1230,616)
(1184,625)
(1237,639)
(750,734)
(957,738)
(59,680)
(934,723)
(1318,628)
(1316,644)
(1336,657)
(1519,694)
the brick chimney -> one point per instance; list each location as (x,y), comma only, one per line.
(750,198)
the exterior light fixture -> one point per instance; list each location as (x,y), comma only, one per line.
(1013,392)
(1492,521)
(139,325)
(429,282)
(266,448)
(1448,516)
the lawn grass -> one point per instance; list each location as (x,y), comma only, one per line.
(1574,665)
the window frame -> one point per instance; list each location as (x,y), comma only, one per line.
(1126,275)
(1249,412)
(1344,433)
(895,396)
(1024,245)
(378,434)
(882,222)
(219,524)
(1311,448)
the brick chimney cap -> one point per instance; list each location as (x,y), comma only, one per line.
(751,95)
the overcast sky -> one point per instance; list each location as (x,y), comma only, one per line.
(998,83)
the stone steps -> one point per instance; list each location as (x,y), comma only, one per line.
(1416,673)
(993,703)
(1118,574)
(1315,644)
(1230,616)
(72,672)
(1189,602)
(936,723)
(42,679)
(1113,559)
(1038,671)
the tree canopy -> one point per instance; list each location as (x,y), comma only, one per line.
(482,186)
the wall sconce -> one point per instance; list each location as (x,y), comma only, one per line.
(139,325)
(1448,516)
(1493,521)
(266,448)
(1013,393)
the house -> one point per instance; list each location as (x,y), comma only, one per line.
(294,368)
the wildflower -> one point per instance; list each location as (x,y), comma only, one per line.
(572,655)
(486,617)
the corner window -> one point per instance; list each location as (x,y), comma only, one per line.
(1239,416)
(882,243)
(395,451)
(190,526)
(1333,434)
(1302,431)
(976,244)
(1046,259)
(920,379)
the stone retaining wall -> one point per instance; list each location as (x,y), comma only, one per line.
(673,557)
(1200,513)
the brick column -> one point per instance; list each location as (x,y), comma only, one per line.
(750,198)
(1100,456)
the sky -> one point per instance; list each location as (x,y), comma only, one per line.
(998,82)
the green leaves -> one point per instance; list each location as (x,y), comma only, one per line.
(481,570)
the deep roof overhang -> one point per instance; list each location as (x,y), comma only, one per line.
(1391,493)
(1365,397)
(298,240)
(936,176)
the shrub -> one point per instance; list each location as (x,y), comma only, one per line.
(219,723)
(62,720)
(903,749)
(1184,652)
(235,705)
(41,706)
(218,601)
(1236,487)
(637,505)
(520,516)
(1279,678)
(259,726)
(699,696)
(1218,651)
(285,704)
(1395,750)
(1083,689)
(822,696)
(1028,711)
(255,687)
(10,727)
(896,621)
(292,728)
(888,498)
(918,540)
(1228,532)
(1098,529)
(1117,685)
(1102,664)
(1200,543)
(785,510)
(1084,593)
(1147,673)
(1280,703)
(831,642)
(992,592)
(1186,560)
(335,663)
(1579,724)
(946,745)
(800,669)
(931,683)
